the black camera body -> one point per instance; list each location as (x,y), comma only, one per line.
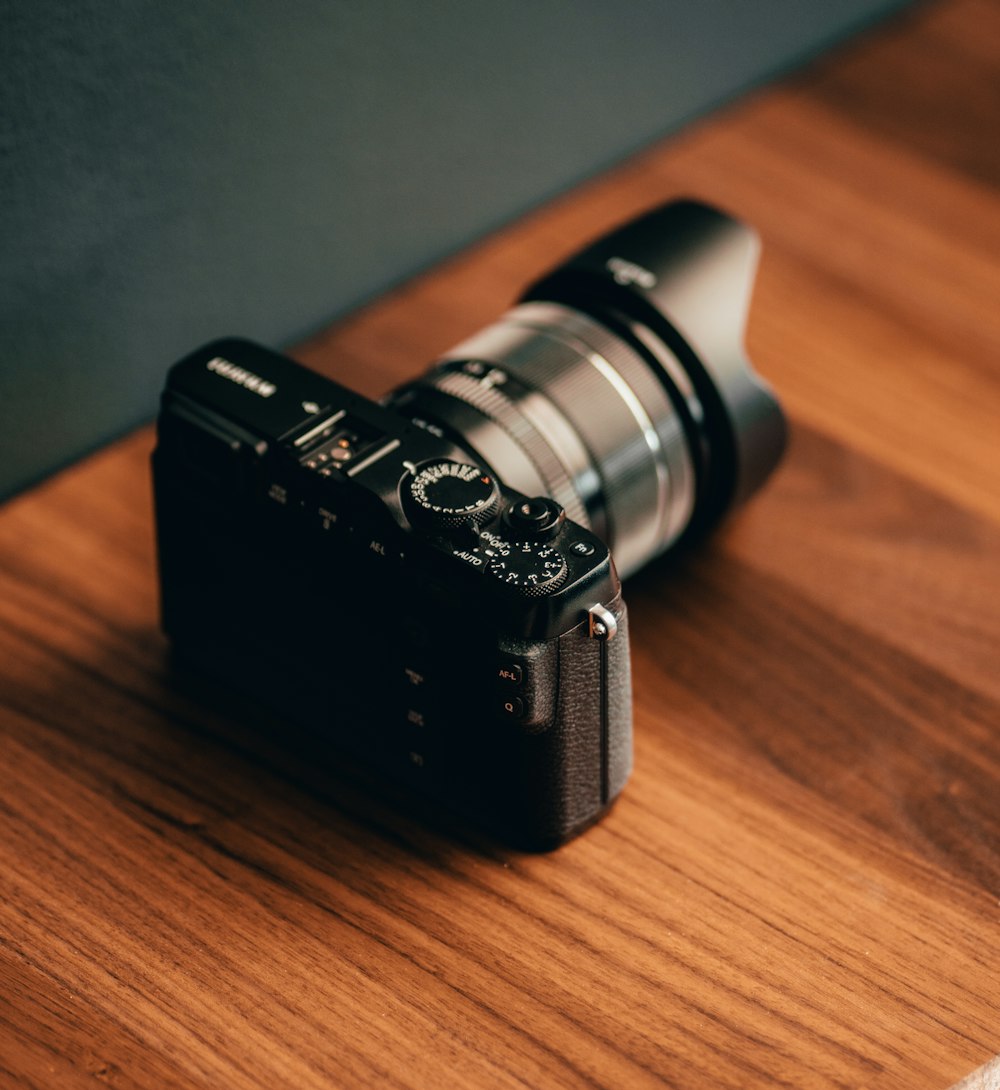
(428,581)
(360,574)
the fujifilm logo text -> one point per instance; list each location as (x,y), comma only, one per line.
(247,379)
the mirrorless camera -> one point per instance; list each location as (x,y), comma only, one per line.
(433,581)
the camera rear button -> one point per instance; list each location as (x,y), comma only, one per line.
(510,673)
(512,706)
(414,677)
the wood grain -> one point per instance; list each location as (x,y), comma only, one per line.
(801,885)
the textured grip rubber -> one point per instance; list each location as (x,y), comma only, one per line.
(570,773)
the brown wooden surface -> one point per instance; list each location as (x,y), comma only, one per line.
(799,887)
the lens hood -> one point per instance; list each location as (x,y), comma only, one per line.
(684,272)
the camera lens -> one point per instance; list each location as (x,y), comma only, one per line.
(618,386)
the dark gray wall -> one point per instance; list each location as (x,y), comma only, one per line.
(174,171)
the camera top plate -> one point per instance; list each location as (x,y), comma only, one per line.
(415,506)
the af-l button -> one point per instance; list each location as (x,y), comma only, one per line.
(510,673)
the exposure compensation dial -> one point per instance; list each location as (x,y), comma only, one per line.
(532,566)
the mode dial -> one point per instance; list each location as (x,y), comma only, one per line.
(531,566)
(449,494)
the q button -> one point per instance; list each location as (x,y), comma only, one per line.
(512,707)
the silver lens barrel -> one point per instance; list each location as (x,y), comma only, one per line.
(561,406)
(619,385)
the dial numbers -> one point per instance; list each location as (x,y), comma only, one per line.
(534,567)
(446,493)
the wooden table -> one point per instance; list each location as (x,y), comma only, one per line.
(800,885)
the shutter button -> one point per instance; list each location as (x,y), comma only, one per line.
(538,517)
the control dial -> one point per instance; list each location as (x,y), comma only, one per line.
(532,566)
(450,494)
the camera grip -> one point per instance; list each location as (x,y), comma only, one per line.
(570,773)
(594,717)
